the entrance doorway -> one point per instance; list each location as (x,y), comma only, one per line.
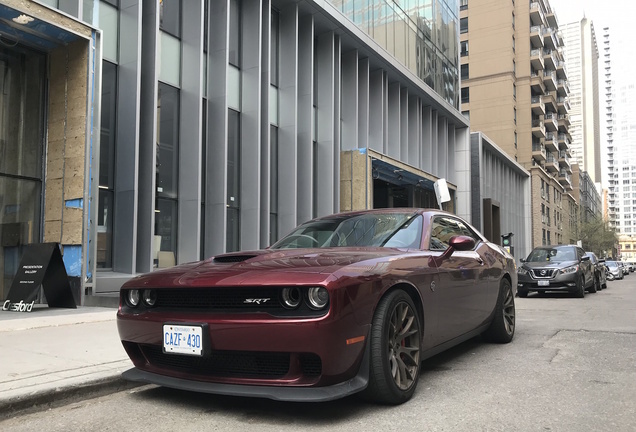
(22,102)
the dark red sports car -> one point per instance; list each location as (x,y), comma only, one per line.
(347,303)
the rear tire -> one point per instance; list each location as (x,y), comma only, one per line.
(502,327)
(594,286)
(394,364)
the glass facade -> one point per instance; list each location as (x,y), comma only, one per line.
(22,90)
(420,34)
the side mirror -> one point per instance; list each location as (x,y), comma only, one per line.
(585,258)
(462,243)
(522,260)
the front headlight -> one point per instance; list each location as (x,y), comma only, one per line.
(132,298)
(569,270)
(522,271)
(317,297)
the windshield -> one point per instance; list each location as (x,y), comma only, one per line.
(552,255)
(402,230)
(611,264)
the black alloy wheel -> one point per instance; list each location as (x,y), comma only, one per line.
(594,286)
(502,327)
(395,341)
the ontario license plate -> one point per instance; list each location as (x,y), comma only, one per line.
(544,283)
(181,339)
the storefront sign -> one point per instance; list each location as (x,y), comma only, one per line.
(41,265)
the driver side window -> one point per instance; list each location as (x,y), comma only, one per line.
(444,228)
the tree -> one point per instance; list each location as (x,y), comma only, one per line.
(598,237)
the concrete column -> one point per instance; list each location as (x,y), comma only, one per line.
(426,154)
(251,49)
(147,136)
(265,186)
(363,103)
(404,124)
(128,126)
(216,172)
(350,100)
(376,110)
(413,151)
(288,120)
(393,114)
(189,228)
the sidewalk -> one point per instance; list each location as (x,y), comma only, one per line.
(49,355)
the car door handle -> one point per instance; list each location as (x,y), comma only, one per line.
(480,261)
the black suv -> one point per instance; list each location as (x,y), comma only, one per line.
(556,268)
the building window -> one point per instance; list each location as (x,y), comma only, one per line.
(104,258)
(463,4)
(464,48)
(514,91)
(464,71)
(167,173)
(274,44)
(466,114)
(235,33)
(170,17)
(515,138)
(465,95)
(463,25)
(233,181)
(515,118)
(273,184)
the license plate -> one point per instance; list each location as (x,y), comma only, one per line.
(544,283)
(181,339)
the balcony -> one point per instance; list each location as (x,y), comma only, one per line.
(538,129)
(564,161)
(565,179)
(563,87)
(551,142)
(549,59)
(550,102)
(536,36)
(549,38)
(563,105)
(536,82)
(564,121)
(564,142)
(561,71)
(549,80)
(536,59)
(537,17)
(551,122)
(537,105)
(538,152)
(551,163)
(551,19)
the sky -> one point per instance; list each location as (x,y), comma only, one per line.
(617,14)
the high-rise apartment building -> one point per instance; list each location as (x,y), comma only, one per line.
(515,89)
(581,57)
(620,107)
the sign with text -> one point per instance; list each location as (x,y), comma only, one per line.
(41,265)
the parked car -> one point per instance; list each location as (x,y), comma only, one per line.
(624,268)
(614,270)
(347,303)
(631,266)
(556,268)
(600,278)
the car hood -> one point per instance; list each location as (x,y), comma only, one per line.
(548,264)
(265,267)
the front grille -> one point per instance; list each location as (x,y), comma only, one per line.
(248,299)
(222,363)
(538,273)
(235,364)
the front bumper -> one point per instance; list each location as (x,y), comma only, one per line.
(280,393)
(561,282)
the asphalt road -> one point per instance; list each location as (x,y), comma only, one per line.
(571,367)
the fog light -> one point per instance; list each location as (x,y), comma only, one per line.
(133,298)
(317,297)
(291,297)
(150,297)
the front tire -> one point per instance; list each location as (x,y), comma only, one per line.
(394,365)
(502,327)
(580,287)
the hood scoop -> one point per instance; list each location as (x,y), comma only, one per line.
(232,258)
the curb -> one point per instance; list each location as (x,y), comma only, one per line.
(54,398)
